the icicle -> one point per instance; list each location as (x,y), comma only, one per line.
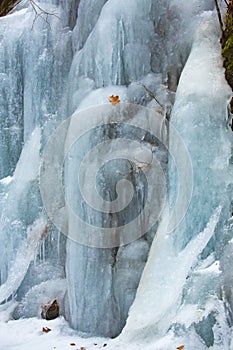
(24,256)
(58,244)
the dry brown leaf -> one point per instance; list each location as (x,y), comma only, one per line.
(159,111)
(181,347)
(46,330)
(114,100)
(82,348)
(72,344)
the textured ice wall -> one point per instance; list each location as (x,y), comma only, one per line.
(35,58)
(173,295)
(200,113)
(16,195)
(117,42)
(33,70)
(128,43)
(104,281)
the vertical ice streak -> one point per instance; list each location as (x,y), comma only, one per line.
(199,115)
(46,73)
(35,58)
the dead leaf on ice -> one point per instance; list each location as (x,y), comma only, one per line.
(46,330)
(114,100)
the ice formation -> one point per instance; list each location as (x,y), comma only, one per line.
(91,50)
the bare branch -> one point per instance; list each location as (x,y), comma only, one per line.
(219,15)
(44,11)
(151,94)
(40,12)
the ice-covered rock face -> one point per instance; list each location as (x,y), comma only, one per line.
(124,46)
(34,64)
(118,49)
(184,263)
(31,63)
(198,112)
(115,45)
(88,14)
(121,44)
(104,281)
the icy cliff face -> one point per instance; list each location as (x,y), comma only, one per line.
(34,65)
(122,48)
(183,282)
(31,62)
(49,72)
(125,45)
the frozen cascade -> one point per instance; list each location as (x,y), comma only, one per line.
(70,66)
(25,254)
(88,14)
(126,45)
(35,58)
(14,218)
(101,60)
(23,225)
(106,277)
(199,114)
(96,74)
(27,98)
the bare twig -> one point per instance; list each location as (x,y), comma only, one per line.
(40,12)
(151,94)
(219,15)
(44,11)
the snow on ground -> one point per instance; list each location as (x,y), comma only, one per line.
(27,334)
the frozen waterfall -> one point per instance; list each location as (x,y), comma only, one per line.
(171,283)
(74,167)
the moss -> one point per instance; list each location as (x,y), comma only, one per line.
(6,6)
(227,46)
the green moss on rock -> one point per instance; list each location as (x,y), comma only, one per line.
(227,46)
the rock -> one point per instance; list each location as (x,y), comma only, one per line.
(50,312)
